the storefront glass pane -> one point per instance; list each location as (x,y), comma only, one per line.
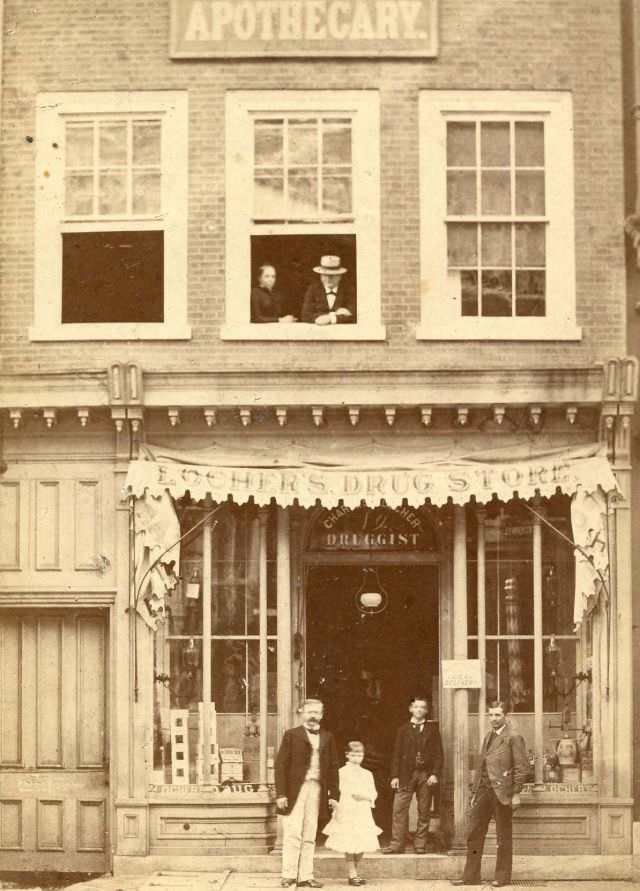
(509,573)
(508,634)
(207,707)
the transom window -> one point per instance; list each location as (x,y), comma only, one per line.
(497,216)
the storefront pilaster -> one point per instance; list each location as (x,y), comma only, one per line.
(285,697)
(460,696)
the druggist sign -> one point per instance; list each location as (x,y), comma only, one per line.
(303,28)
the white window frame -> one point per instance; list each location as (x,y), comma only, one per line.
(363,108)
(53,110)
(441,310)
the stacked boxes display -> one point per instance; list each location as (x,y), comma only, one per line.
(231,766)
(213,777)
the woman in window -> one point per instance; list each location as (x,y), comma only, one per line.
(267,304)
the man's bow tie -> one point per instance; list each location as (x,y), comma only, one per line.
(309,730)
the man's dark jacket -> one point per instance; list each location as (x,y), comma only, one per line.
(403,759)
(292,763)
(315,303)
(507,765)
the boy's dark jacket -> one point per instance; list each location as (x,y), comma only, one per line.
(403,759)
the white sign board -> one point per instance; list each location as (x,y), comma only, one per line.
(461,673)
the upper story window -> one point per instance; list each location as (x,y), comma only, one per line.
(303,230)
(111,216)
(497,216)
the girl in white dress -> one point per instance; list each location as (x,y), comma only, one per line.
(351,828)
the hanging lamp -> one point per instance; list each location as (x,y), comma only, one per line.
(371,597)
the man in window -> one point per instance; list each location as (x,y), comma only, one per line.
(502,769)
(329,301)
(306,774)
(416,766)
(267,304)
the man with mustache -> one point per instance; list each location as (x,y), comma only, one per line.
(306,774)
(502,770)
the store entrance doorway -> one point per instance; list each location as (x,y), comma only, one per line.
(366,667)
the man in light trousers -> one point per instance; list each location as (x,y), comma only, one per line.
(306,773)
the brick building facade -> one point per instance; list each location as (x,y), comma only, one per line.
(476,195)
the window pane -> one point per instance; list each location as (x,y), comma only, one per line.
(303,194)
(113,194)
(529,192)
(462,244)
(112,277)
(113,145)
(496,293)
(336,194)
(516,674)
(461,192)
(494,142)
(79,145)
(268,140)
(229,681)
(146,193)
(336,144)
(530,244)
(469,292)
(496,192)
(185,606)
(530,293)
(303,143)
(529,144)
(559,669)
(268,197)
(79,195)
(558,573)
(146,144)
(496,244)
(461,144)
(186,672)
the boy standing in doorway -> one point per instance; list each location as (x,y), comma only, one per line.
(416,768)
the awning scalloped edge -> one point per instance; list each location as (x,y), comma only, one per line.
(439,482)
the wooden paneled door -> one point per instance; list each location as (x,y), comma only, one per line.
(53,734)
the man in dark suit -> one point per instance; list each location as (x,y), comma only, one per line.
(329,302)
(502,769)
(306,773)
(416,767)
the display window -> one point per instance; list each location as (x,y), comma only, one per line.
(520,596)
(215,656)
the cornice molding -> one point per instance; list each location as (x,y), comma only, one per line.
(549,386)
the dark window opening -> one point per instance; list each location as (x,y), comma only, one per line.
(112,277)
(294,257)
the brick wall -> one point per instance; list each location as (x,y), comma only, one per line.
(71,45)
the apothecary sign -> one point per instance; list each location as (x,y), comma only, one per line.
(373,529)
(303,28)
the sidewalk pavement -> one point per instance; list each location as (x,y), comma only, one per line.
(238,881)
